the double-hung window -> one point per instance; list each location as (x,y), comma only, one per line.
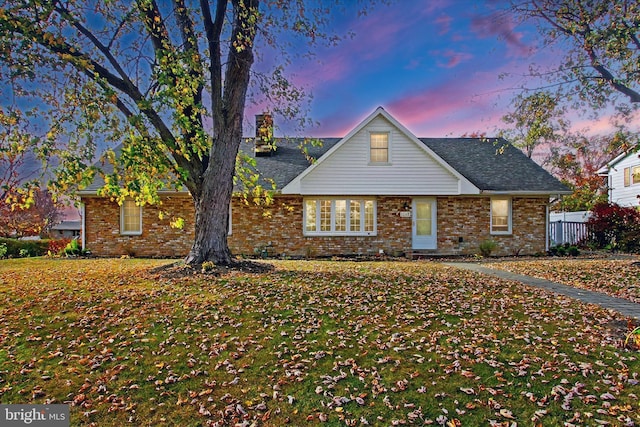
(379,147)
(130,218)
(339,217)
(631,175)
(500,215)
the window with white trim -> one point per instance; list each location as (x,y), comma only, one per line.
(500,215)
(130,218)
(631,175)
(339,217)
(379,147)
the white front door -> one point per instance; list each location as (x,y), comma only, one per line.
(424,224)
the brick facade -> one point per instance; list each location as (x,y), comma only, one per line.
(158,239)
(462,224)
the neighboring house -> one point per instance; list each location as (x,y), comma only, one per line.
(66,230)
(623,179)
(378,189)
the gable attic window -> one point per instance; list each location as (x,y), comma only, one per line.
(379,147)
(500,215)
(339,217)
(130,218)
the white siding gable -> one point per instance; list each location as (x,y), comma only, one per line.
(413,169)
(618,193)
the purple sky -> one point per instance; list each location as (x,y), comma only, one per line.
(434,65)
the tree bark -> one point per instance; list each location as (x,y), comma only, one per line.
(212,203)
(213,195)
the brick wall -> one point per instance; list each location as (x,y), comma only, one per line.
(158,239)
(281,225)
(463,223)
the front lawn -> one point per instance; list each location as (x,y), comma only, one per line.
(308,343)
(618,278)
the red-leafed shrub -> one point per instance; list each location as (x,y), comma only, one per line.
(57,246)
(615,227)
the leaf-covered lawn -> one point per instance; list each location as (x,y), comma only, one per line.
(618,278)
(309,343)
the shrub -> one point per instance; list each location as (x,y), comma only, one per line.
(564,250)
(57,246)
(19,248)
(3,250)
(486,247)
(615,227)
(73,249)
(573,251)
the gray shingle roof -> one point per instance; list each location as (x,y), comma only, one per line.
(287,161)
(490,164)
(493,164)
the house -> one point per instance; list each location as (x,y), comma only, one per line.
(623,179)
(378,189)
(66,230)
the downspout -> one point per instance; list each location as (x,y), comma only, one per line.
(546,228)
(82,227)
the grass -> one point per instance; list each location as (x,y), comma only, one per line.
(326,343)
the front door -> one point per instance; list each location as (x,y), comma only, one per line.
(424,224)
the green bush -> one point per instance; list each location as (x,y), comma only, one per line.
(564,250)
(3,250)
(573,251)
(73,248)
(21,248)
(486,247)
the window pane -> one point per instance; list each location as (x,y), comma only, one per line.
(325,215)
(130,217)
(635,175)
(341,215)
(500,215)
(627,173)
(368,215)
(423,218)
(310,212)
(354,216)
(379,147)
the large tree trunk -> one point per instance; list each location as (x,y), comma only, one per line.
(212,204)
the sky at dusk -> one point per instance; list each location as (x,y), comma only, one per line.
(442,68)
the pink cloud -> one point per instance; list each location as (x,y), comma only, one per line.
(453,57)
(606,124)
(444,24)
(501,25)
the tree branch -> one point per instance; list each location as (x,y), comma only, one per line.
(213,31)
(609,77)
(188,39)
(152,20)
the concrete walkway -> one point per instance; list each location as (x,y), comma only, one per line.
(620,305)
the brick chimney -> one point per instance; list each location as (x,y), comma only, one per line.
(264,135)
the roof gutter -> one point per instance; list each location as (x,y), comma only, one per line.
(525,193)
